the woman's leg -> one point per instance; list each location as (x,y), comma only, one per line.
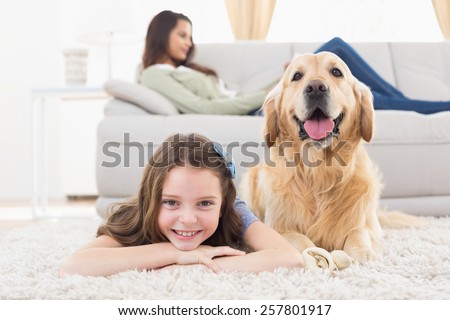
(257,112)
(382,102)
(359,68)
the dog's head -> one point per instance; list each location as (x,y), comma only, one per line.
(318,99)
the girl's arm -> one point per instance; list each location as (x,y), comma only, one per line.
(105,256)
(271,251)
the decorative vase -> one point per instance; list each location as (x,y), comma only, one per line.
(75,66)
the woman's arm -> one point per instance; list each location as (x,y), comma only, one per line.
(271,251)
(105,256)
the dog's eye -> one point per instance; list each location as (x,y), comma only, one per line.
(336,72)
(297,76)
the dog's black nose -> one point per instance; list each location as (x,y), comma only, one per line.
(316,87)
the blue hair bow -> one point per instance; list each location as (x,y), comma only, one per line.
(228,159)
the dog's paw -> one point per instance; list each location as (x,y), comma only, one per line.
(341,259)
(363,255)
(318,259)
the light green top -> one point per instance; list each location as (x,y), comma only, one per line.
(191,91)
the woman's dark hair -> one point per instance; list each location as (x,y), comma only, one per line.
(157,39)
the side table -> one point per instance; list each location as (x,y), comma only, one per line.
(39,174)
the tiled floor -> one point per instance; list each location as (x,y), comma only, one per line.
(16,214)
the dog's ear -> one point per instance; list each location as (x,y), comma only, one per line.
(367,111)
(271,117)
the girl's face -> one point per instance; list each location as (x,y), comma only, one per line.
(190,207)
(179,41)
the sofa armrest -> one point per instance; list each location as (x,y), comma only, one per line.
(141,96)
(119,107)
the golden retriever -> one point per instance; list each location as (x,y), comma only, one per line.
(319,187)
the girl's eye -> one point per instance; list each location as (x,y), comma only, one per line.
(297,76)
(205,203)
(336,72)
(170,202)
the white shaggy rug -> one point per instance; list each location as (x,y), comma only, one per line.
(415,264)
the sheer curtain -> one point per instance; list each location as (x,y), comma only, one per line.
(250,19)
(442,10)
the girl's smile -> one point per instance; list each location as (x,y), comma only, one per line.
(186,233)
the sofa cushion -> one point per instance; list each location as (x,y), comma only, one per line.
(424,75)
(408,127)
(411,151)
(245,66)
(144,97)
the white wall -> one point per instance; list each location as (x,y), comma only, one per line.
(34,33)
(29,56)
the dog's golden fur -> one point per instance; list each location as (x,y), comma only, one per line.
(321,192)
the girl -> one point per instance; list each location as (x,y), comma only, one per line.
(184,213)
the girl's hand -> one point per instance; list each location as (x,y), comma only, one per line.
(205,254)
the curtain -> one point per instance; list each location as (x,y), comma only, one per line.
(250,19)
(442,10)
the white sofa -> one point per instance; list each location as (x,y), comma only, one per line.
(412,150)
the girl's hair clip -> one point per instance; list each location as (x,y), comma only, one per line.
(228,159)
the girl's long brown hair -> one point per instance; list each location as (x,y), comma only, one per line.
(135,222)
(157,39)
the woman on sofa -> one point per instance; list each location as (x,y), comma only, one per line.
(191,88)
(196,89)
(385,95)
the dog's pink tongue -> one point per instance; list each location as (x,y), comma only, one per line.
(318,128)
